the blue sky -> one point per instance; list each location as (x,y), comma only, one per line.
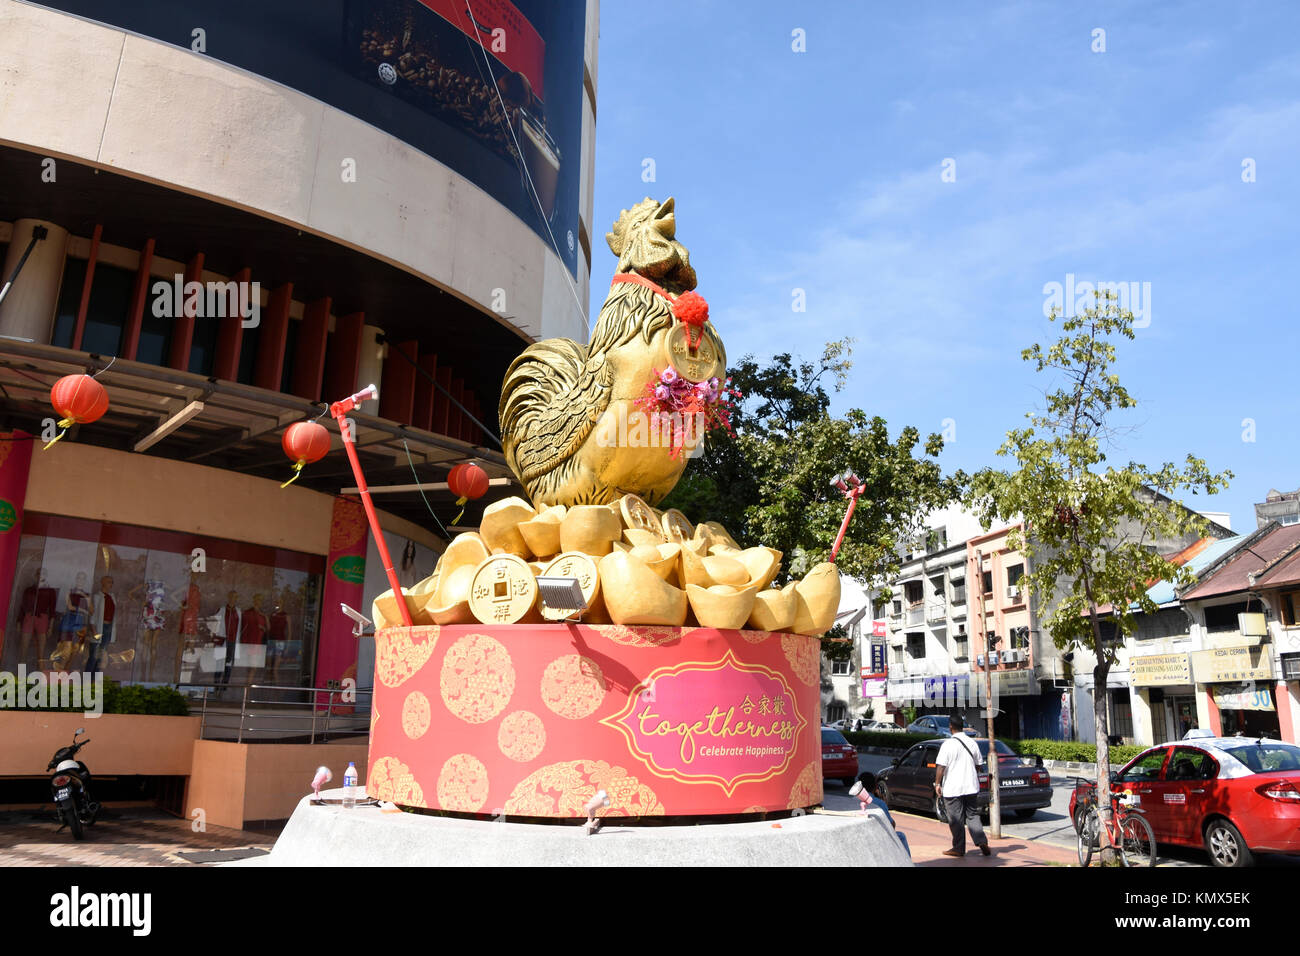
(822,170)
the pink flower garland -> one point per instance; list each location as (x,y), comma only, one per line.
(668,393)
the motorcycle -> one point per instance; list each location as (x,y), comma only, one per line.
(70,787)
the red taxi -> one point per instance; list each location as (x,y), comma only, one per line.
(1234,796)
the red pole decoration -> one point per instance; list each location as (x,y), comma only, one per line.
(467,480)
(305,443)
(79,399)
(340,410)
(850,485)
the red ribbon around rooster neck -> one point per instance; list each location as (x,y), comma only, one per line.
(689,308)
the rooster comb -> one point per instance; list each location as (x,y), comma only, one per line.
(617,236)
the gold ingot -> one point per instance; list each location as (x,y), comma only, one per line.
(621,546)
(451,606)
(640,537)
(500,526)
(818,599)
(537,567)
(542,534)
(659,558)
(774,610)
(712,569)
(761,563)
(635,595)
(591,529)
(636,514)
(676,526)
(583,568)
(721,605)
(384,610)
(720,535)
(503,590)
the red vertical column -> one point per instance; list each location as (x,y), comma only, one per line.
(457,429)
(80,328)
(344,356)
(139,292)
(422,413)
(309,358)
(183,323)
(230,334)
(397,397)
(268,367)
(15,468)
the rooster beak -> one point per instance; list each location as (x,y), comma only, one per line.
(665,222)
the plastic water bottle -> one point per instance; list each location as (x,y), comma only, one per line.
(350,787)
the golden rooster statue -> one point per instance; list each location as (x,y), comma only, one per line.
(570,424)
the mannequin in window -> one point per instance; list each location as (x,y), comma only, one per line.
(37,615)
(255,625)
(225,630)
(72,628)
(278,636)
(103,617)
(152,618)
(188,632)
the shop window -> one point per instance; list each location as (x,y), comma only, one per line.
(841,667)
(110,303)
(65,316)
(912,593)
(158,620)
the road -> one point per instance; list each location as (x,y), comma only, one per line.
(1051,825)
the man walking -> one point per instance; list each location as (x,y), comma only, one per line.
(957,781)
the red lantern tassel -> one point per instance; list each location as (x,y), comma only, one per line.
(297,470)
(460,503)
(65,424)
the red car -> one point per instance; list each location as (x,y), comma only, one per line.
(1234,796)
(839,757)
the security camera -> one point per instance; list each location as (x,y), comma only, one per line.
(360,619)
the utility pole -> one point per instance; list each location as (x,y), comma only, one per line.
(995,802)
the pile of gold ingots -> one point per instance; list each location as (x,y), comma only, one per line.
(634,565)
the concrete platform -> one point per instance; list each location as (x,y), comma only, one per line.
(368,836)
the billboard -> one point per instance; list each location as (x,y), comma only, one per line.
(490,88)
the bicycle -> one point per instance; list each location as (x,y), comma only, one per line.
(1128,830)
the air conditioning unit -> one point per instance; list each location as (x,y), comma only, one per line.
(1013,592)
(1015,657)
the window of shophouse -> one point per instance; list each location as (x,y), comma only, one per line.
(1291,666)
(986,582)
(897,655)
(916,646)
(250,615)
(1223,617)
(836,711)
(1020,638)
(898,608)
(936,540)
(936,585)
(912,593)
(959,591)
(1014,574)
(1290,605)
(841,667)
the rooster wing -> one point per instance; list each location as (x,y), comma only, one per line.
(553,395)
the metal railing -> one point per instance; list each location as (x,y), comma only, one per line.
(915,615)
(270,713)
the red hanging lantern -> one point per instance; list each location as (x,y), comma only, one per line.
(79,399)
(466,481)
(305,443)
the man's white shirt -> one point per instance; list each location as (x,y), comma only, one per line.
(960,755)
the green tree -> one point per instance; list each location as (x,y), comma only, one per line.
(771,483)
(1090,526)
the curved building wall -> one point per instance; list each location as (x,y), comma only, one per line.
(161,113)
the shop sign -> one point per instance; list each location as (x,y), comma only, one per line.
(874,688)
(877,658)
(1018,683)
(1223,665)
(878,628)
(8,515)
(1243,697)
(1160,670)
(350,568)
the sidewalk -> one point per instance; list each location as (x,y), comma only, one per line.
(929,838)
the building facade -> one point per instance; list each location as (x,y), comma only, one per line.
(229,230)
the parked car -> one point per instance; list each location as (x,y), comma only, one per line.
(878,726)
(839,757)
(935,725)
(1024,787)
(1234,796)
(841,725)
